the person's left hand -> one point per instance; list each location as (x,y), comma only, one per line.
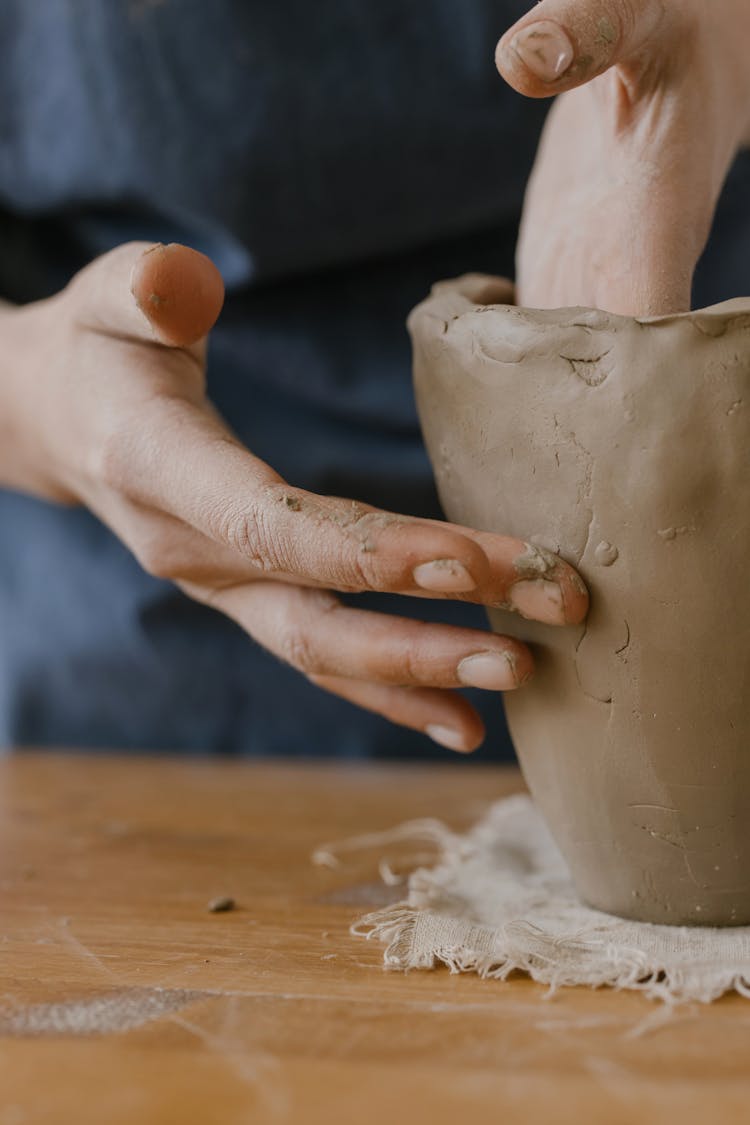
(655,105)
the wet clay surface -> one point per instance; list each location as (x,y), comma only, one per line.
(623,445)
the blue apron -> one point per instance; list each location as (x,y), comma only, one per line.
(334,159)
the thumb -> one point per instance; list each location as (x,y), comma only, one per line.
(168,294)
(561,44)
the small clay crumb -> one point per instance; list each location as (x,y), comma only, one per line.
(221,905)
(292,502)
(582,64)
(607,32)
(535,562)
(545,543)
(605,554)
(669,533)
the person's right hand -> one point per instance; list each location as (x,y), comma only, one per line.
(102,402)
(652,106)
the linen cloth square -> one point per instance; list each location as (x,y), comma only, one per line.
(500,899)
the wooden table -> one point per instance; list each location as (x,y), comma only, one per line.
(125,1001)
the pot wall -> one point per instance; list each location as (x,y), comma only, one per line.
(624,446)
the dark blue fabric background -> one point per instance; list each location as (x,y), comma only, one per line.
(334,159)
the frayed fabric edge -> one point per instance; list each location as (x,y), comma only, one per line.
(426,830)
(417,936)
(584,962)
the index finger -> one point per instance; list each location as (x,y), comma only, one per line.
(183,460)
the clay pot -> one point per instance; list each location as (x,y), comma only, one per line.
(623,445)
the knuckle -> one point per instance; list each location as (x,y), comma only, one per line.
(298,640)
(155,554)
(411,667)
(113,460)
(370,554)
(300,652)
(419,665)
(298,649)
(368,569)
(250,532)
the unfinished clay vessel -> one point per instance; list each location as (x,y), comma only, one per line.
(624,445)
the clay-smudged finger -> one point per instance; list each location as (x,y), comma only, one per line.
(528,579)
(234,498)
(561,44)
(352,547)
(444,716)
(181,459)
(542,586)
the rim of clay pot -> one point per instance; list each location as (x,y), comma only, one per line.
(485,291)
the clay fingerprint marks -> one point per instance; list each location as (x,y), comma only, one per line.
(537,355)
(601,649)
(604,645)
(509,338)
(587,347)
(592,372)
(719,319)
(585,342)
(707,325)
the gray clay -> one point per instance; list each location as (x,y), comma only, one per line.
(221,905)
(624,445)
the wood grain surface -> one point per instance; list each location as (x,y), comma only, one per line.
(124,1000)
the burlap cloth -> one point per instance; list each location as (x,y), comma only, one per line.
(500,899)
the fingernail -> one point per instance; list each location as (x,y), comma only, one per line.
(493,671)
(538,599)
(448,737)
(447,576)
(545,49)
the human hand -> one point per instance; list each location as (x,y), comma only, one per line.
(102,402)
(654,105)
